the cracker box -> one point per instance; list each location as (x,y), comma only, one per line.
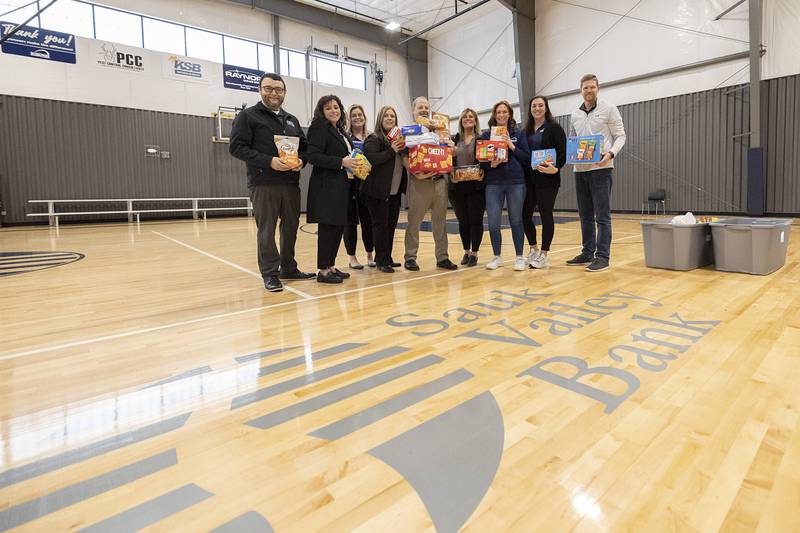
(394,134)
(467,173)
(584,149)
(414,129)
(486,151)
(427,158)
(543,156)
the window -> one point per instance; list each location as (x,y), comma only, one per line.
(354,77)
(164,36)
(266,59)
(240,52)
(293,63)
(204,45)
(118,26)
(327,71)
(69,17)
(20,15)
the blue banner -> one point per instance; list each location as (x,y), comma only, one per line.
(39,43)
(243,79)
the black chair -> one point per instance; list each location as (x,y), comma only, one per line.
(657,196)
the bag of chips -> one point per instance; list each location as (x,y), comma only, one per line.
(427,158)
(440,121)
(467,173)
(364,166)
(487,151)
(288,150)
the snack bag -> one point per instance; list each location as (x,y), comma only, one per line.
(364,166)
(486,151)
(541,156)
(440,121)
(426,158)
(498,132)
(467,173)
(425,122)
(425,138)
(288,150)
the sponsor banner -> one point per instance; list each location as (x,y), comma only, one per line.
(243,79)
(186,69)
(118,57)
(39,43)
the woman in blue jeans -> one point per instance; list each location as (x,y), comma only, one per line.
(505,184)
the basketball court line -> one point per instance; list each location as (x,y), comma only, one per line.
(230,264)
(250,310)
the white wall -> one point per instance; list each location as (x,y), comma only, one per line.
(655,35)
(87,82)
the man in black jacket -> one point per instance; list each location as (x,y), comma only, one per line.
(274,185)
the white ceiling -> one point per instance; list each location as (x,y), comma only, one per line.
(412,15)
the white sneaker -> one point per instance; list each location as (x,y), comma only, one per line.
(520,263)
(542,261)
(495,263)
(532,255)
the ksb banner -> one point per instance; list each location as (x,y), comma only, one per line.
(118,57)
(244,79)
(187,69)
(39,42)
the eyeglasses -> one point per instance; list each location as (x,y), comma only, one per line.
(276,90)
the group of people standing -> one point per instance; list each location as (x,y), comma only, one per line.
(338,204)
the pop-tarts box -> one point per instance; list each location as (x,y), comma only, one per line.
(584,149)
(414,129)
(540,156)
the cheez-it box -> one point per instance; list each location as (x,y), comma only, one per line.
(427,158)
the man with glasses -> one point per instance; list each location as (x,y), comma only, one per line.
(274,185)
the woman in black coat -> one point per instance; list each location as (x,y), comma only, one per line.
(331,202)
(468,197)
(543,132)
(382,189)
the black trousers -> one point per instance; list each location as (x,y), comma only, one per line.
(351,230)
(379,211)
(545,200)
(329,237)
(469,207)
(271,203)
(394,215)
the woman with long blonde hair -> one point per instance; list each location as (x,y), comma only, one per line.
(357,128)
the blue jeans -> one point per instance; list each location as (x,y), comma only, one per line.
(496,195)
(593,189)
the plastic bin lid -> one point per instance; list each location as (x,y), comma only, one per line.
(753,222)
(668,222)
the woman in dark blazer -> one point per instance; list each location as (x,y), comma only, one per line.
(331,202)
(382,189)
(543,132)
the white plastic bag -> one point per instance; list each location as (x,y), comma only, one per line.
(684,220)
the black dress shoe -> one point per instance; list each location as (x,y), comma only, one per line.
(394,264)
(297,274)
(447,265)
(273,284)
(465,259)
(343,275)
(473,261)
(387,269)
(330,277)
(411,265)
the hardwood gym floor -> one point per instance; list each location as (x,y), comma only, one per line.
(147,380)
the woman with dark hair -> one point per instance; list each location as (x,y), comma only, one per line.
(542,132)
(382,189)
(331,202)
(468,197)
(357,128)
(505,183)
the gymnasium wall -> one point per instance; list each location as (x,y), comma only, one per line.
(691,145)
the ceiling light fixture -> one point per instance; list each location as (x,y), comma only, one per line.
(393,26)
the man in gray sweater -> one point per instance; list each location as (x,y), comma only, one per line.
(593,181)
